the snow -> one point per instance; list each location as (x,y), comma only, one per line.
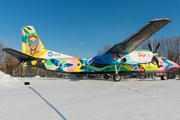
(70,99)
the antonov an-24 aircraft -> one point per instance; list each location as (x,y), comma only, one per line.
(121,58)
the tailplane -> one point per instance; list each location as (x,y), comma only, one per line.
(32,45)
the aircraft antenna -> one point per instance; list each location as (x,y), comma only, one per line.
(76,50)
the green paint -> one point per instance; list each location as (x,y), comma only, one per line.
(150,71)
(24,38)
(48,64)
(125,70)
(111,68)
(24,64)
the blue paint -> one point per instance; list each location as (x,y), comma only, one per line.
(50,54)
(58,63)
(169,64)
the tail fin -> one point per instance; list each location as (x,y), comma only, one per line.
(32,45)
(37,48)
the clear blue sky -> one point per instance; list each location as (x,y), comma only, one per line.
(62,24)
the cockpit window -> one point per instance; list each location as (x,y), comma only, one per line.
(163,59)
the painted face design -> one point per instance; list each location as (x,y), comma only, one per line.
(33,42)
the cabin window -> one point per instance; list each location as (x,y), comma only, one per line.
(123,60)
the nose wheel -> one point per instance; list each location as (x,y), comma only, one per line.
(116,78)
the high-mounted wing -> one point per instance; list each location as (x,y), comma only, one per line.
(139,37)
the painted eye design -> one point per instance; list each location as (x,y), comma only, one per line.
(35,42)
(30,42)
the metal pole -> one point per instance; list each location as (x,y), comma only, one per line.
(76,49)
(151,43)
(152,50)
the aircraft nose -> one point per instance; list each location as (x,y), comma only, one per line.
(174,68)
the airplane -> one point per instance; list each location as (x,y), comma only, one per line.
(121,58)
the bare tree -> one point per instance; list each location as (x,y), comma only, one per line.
(2,56)
(105,49)
(11,65)
(99,52)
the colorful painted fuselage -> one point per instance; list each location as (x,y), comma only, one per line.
(136,61)
(86,65)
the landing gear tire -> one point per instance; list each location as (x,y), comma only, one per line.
(116,78)
(106,76)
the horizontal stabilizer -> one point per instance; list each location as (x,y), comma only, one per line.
(19,55)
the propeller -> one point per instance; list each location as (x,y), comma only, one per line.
(154,53)
(156,47)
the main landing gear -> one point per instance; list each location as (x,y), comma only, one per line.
(116,77)
(106,76)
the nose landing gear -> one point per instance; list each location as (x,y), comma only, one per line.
(116,78)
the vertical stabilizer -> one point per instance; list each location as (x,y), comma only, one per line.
(32,45)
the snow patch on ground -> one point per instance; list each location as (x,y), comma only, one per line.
(6,81)
(71,99)
(6,78)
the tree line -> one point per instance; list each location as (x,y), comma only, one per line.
(169,48)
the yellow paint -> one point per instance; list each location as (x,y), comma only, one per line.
(78,67)
(43,61)
(23,47)
(26,29)
(39,54)
(127,67)
(149,66)
(33,62)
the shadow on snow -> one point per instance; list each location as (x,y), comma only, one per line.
(48,103)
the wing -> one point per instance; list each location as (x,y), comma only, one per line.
(132,42)
(19,55)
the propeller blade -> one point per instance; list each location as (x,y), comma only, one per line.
(156,60)
(157,47)
(150,47)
